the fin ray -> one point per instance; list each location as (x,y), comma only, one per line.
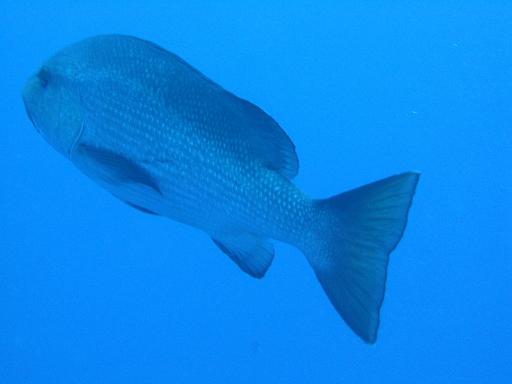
(360,229)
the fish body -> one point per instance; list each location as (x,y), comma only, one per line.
(165,139)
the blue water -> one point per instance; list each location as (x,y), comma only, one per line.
(92,291)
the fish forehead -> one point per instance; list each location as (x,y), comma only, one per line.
(143,92)
(120,66)
(136,60)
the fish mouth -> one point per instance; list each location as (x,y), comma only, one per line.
(29,93)
(29,114)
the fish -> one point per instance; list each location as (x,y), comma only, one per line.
(165,139)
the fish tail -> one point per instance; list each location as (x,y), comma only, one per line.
(356,232)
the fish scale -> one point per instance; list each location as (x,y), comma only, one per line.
(210,166)
(165,139)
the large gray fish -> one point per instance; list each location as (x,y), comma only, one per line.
(167,140)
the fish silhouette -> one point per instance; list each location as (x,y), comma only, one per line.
(165,139)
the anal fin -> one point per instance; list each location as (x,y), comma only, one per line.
(251,253)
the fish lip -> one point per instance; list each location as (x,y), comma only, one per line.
(29,113)
(30,86)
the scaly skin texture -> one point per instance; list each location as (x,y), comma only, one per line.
(193,137)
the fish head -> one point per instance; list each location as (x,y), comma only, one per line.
(52,101)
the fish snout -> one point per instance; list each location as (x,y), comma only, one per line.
(30,94)
(27,97)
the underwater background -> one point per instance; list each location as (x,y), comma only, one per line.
(92,291)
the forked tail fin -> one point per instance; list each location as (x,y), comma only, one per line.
(357,230)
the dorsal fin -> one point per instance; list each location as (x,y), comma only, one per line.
(268,140)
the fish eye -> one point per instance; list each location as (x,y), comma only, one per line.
(44,76)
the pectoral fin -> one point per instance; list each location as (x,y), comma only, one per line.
(113,168)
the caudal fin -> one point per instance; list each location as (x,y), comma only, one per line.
(358,230)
